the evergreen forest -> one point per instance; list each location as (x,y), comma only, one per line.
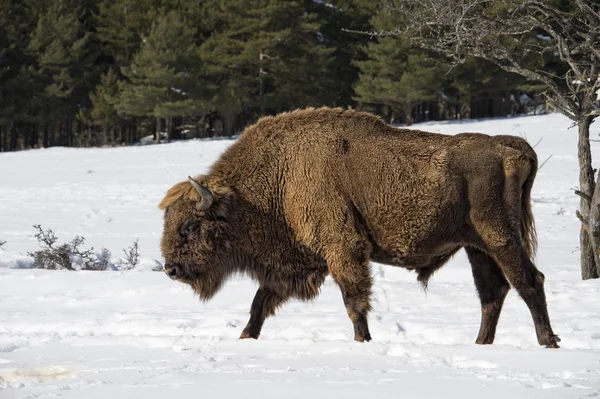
(113,72)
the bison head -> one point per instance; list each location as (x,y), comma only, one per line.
(196,240)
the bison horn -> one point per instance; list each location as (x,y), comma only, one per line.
(207,197)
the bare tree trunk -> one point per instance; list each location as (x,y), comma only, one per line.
(169,127)
(46,134)
(586,187)
(35,138)
(103,136)
(261,72)
(69,132)
(136,129)
(228,121)
(157,130)
(594,225)
(408,119)
(13,137)
(61,135)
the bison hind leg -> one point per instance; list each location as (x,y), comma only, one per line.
(492,287)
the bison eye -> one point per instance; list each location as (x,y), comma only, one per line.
(188,227)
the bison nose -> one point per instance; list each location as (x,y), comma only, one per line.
(172,272)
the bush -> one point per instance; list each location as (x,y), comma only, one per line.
(102,260)
(68,256)
(132,257)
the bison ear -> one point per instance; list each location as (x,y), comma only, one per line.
(174,193)
(194,190)
(185,189)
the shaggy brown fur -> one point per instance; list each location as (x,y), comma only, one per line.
(316,192)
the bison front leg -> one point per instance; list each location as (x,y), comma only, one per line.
(264,305)
(352,273)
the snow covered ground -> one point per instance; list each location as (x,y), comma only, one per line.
(138,334)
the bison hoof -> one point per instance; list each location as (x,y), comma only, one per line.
(245,334)
(361,338)
(551,342)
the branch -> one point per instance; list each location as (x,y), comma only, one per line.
(582,220)
(589,11)
(583,195)
(476,28)
(544,163)
(562,108)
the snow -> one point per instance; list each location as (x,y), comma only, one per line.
(138,334)
(543,37)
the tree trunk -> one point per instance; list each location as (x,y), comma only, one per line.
(26,134)
(103,138)
(46,138)
(408,119)
(594,225)
(70,133)
(228,121)
(35,137)
(134,130)
(61,135)
(13,137)
(169,127)
(157,130)
(586,187)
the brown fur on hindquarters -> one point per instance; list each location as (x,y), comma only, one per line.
(313,192)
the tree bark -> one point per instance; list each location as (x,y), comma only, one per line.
(169,126)
(586,186)
(35,137)
(157,130)
(228,121)
(13,137)
(594,225)
(46,134)
(408,119)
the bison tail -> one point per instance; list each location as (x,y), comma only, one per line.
(528,233)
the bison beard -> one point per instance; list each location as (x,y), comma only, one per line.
(315,192)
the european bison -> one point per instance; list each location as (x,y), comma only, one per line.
(313,192)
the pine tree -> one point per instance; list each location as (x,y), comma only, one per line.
(16,23)
(121,25)
(72,72)
(65,66)
(398,76)
(300,71)
(104,99)
(342,20)
(265,56)
(162,78)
